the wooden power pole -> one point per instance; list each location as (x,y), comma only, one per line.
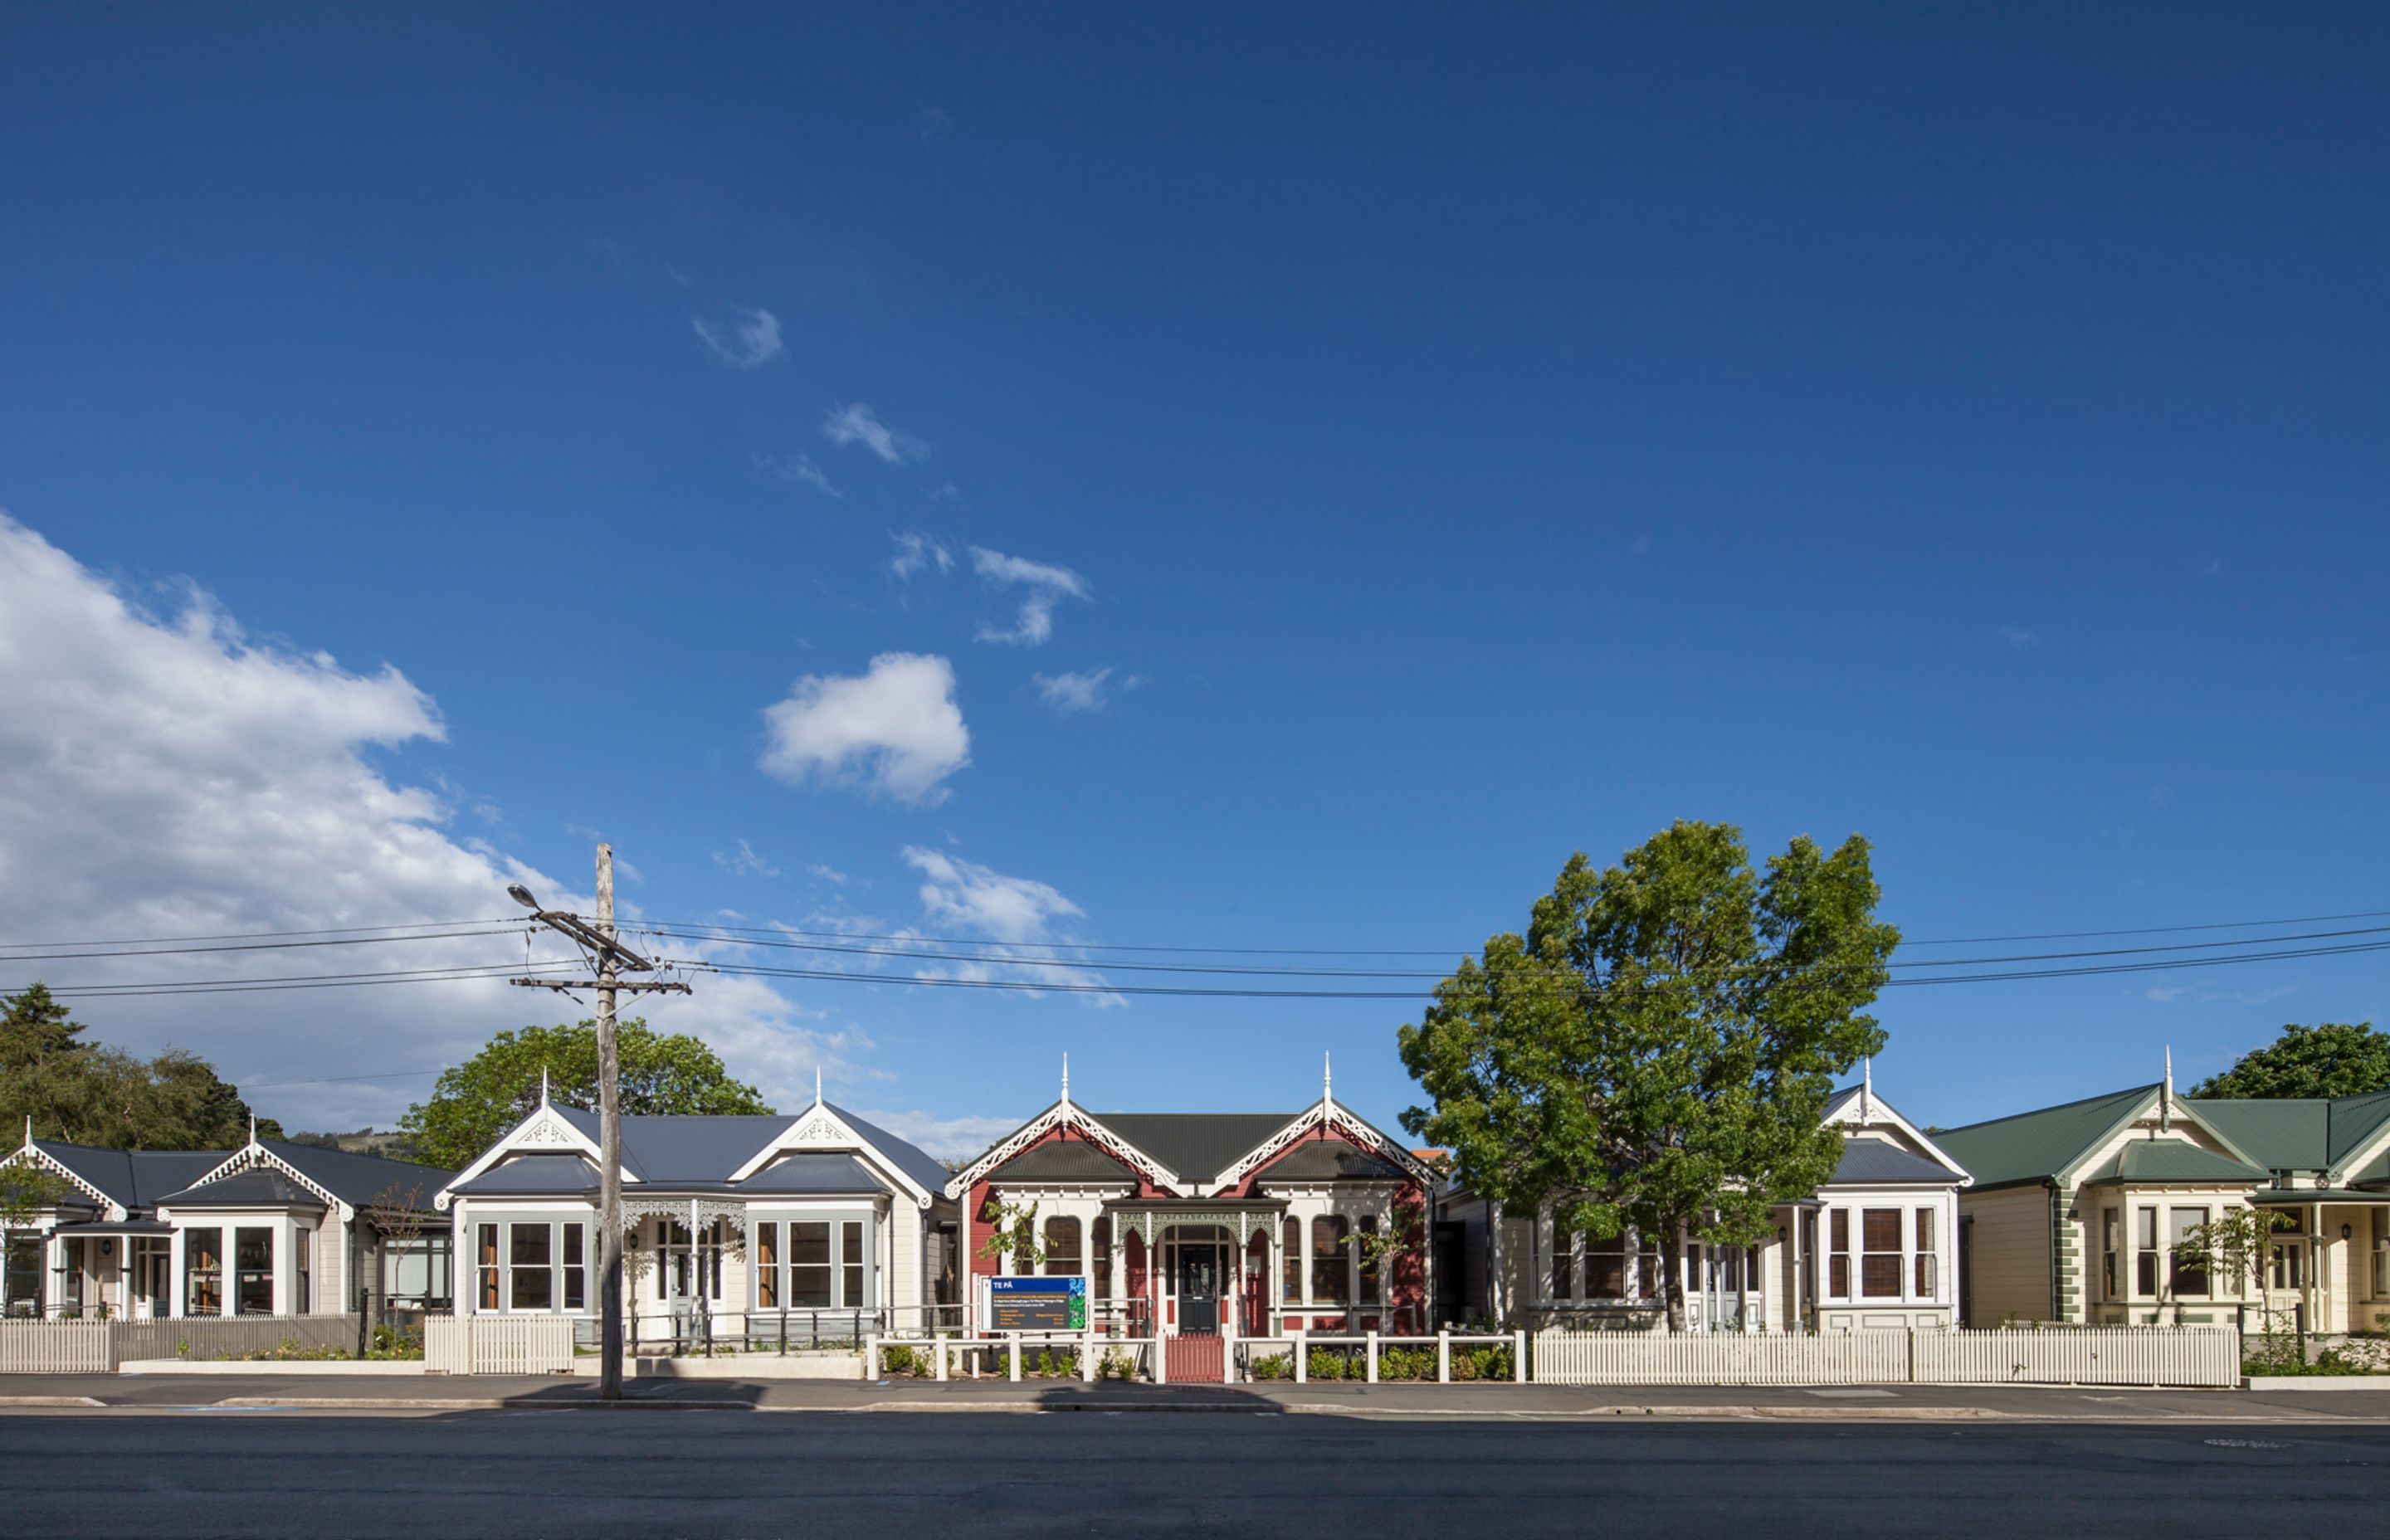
(612,960)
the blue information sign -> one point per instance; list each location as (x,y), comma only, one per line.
(1037,1305)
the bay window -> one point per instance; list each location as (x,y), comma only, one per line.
(253,1269)
(2112,1227)
(809,1281)
(1880,1253)
(2189,1274)
(767,1265)
(2145,1254)
(1923,1265)
(1838,1261)
(203,1272)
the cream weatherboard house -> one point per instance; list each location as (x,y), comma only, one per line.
(779,1226)
(272,1228)
(1875,1245)
(2077,1209)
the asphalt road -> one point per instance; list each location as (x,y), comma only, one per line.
(655,1475)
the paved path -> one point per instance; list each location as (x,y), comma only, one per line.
(435,1393)
(529,1474)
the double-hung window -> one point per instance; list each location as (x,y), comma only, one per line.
(253,1265)
(1880,1253)
(1564,1267)
(2111,1227)
(1605,1268)
(851,1264)
(767,1265)
(1838,1260)
(2190,1273)
(530,1259)
(1331,1266)
(1062,1255)
(1291,1266)
(2381,1253)
(533,1265)
(809,1280)
(203,1272)
(2145,1254)
(1369,1260)
(1924,1266)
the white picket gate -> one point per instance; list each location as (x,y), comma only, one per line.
(497,1344)
(54,1347)
(2097,1355)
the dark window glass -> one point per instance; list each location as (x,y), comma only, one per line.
(254,1260)
(1369,1262)
(203,1272)
(1291,1263)
(1605,1268)
(576,1275)
(808,1263)
(1101,1244)
(850,1257)
(1063,1259)
(1331,1277)
(767,1265)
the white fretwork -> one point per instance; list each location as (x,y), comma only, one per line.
(1060,1114)
(1326,1115)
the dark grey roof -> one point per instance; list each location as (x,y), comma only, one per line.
(136,1178)
(1877,1160)
(1197,1145)
(540,1174)
(1330,1161)
(258,1187)
(1062,1160)
(813,1172)
(1841,1099)
(695,1150)
(360,1180)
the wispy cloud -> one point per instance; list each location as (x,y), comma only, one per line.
(2016,638)
(797,469)
(1072,693)
(828,874)
(932,122)
(1044,587)
(1019,915)
(895,731)
(751,338)
(916,552)
(745,862)
(857,423)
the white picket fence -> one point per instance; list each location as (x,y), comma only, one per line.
(2121,1355)
(497,1344)
(56,1347)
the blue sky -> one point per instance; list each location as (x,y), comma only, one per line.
(1465,439)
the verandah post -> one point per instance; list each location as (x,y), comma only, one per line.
(1443,1356)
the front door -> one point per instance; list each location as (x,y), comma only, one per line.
(152,1273)
(1726,1287)
(1199,1288)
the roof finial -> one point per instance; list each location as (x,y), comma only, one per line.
(1326,1079)
(543,1085)
(1066,1077)
(1867,1090)
(817,1095)
(2166,1093)
(253,1128)
(29,1131)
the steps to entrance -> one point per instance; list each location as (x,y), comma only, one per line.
(1196,1359)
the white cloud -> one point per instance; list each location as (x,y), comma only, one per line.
(894,730)
(917,553)
(798,470)
(947,1138)
(752,338)
(745,862)
(828,874)
(1018,913)
(1073,692)
(1046,585)
(856,423)
(167,775)
(2015,638)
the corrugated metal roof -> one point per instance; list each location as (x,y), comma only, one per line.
(2030,1145)
(812,1172)
(1329,1160)
(2172,1161)
(2356,1119)
(683,1149)
(1062,1161)
(358,1180)
(2279,1136)
(1197,1145)
(544,1173)
(258,1187)
(1881,1161)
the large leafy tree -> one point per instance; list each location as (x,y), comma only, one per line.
(89,1093)
(477,1100)
(1658,1049)
(2333,1058)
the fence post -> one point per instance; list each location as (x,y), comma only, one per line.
(1370,1349)
(1294,1349)
(1012,1356)
(1443,1356)
(871,1360)
(1518,1357)
(1087,1357)
(941,1339)
(1160,1355)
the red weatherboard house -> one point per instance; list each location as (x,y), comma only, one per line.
(1212,1224)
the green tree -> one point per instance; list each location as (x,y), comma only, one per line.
(1657,1051)
(2332,1058)
(92,1094)
(25,1190)
(475,1102)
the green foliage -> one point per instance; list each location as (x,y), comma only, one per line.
(1402,1363)
(26,1190)
(2333,1058)
(2239,1243)
(290,1351)
(1658,1049)
(475,1102)
(87,1093)
(1012,1231)
(1276,1366)
(1116,1364)
(900,1360)
(1324,1363)
(395,1343)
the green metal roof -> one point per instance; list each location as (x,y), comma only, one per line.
(1197,1145)
(2355,1119)
(2151,1160)
(2279,1136)
(2286,1197)
(2029,1147)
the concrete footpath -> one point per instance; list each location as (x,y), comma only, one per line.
(267,1392)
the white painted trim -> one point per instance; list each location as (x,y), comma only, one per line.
(1884,1113)
(254,1154)
(115,1211)
(1327,1115)
(819,1130)
(1067,1114)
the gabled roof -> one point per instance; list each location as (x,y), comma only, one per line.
(2031,1147)
(907,1157)
(2279,1136)
(1063,1159)
(1329,1160)
(1859,1106)
(813,1172)
(2158,1161)
(361,1180)
(258,1187)
(133,1179)
(560,1175)
(1197,1145)
(1881,1161)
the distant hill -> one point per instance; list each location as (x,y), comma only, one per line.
(388,1143)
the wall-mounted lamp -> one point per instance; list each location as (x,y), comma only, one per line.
(2347,1231)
